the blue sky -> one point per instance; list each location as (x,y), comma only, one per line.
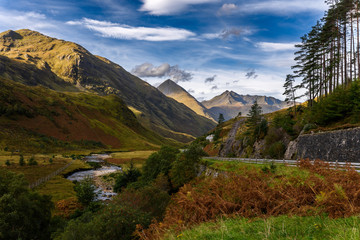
(207,46)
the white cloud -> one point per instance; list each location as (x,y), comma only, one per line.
(10,19)
(228,33)
(274,47)
(164,70)
(267,83)
(284,7)
(120,31)
(227,9)
(169,7)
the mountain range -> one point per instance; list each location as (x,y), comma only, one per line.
(33,59)
(229,103)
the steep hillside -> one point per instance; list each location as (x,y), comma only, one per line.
(66,65)
(39,119)
(173,90)
(230,104)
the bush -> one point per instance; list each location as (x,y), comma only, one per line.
(85,191)
(94,165)
(159,162)
(127,177)
(23,214)
(276,150)
(21,160)
(342,104)
(186,166)
(32,161)
(271,169)
(114,222)
(285,122)
(150,199)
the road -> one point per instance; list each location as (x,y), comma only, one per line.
(334,165)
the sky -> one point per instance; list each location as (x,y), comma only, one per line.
(206,46)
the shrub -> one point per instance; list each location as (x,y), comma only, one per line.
(185,168)
(21,160)
(149,199)
(32,161)
(276,150)
(127,177)
(159,162)
(285,122)
(24,214)
(114,222)
(85,191)
(271,169)
(94,165)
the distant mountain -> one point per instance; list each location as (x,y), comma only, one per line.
(173,90)
(230,104)
(34,59)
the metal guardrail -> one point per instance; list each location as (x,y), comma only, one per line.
(48,177)
(334,165)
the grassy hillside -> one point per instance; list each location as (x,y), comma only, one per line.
(39,119)
(60,65)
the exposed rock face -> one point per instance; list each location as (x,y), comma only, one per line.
(340,145)
(231,141)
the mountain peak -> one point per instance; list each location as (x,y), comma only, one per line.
(231,103)
(173,90)
(10,34)
(170,87)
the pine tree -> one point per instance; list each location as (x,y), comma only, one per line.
(21,160)
(256,124)
(254,115)
(221,119)
(290,89)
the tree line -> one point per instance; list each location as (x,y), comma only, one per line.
(328,57)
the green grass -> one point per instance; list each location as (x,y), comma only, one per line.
(134,154)
(123,159)
(241,167)
(275,228)
(60,188)
(35,172)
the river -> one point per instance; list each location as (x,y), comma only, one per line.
(102,192)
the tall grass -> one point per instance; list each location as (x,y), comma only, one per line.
(275,228)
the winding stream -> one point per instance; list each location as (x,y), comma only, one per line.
(101,192)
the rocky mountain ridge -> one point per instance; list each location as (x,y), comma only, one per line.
(230,104)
